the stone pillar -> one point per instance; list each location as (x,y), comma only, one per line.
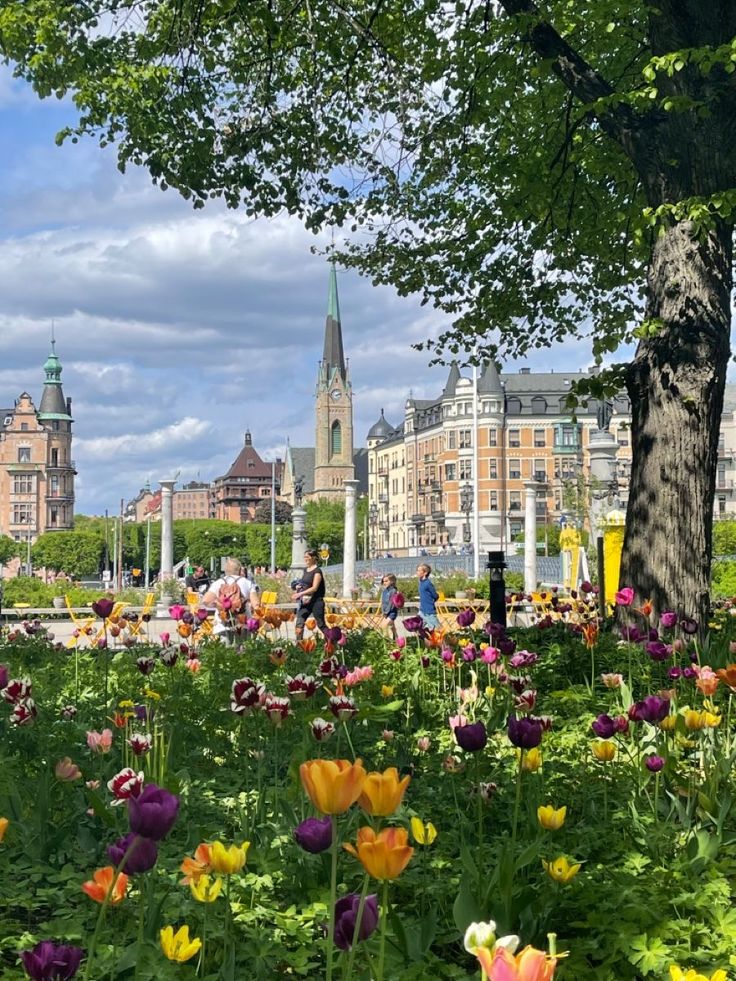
(167,544)
(530,535)
(298,541)
(603,490)
(350,539)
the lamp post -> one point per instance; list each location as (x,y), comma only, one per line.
(466,506)
(373,521)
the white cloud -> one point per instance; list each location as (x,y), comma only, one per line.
(138,444)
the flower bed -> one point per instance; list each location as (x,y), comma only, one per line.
(356,809)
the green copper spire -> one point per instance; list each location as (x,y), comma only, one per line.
(53,404)
(333,356)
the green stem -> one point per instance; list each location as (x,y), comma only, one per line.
(333,898)
(356,931)
(384,924)
(350,742)
(514,827)
(143,882)
(103,910)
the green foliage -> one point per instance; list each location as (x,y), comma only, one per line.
(724,579)
(9,549)
(263,513)
(724,537)
(76,553)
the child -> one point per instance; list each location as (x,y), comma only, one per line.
(388,609)
(427,597)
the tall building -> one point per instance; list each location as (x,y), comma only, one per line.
(322,469)
(36,466)
(238,493)
(421,481)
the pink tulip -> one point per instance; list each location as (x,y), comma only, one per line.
(357,675)
(625,596)
(456,721)
(194,664)
(100,742)
(165,638)
(66,771)
(401,641)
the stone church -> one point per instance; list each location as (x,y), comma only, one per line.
(319,471)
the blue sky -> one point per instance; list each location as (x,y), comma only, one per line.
(178,329)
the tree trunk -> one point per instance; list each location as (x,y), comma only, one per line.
(676,384)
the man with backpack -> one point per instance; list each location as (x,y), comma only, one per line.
(232,595)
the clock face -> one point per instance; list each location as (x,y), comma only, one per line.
(335,394)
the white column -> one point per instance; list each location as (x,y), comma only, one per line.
(167,529)
(530,535)
(298,540)
(602,450)
(350,539)
(476,476)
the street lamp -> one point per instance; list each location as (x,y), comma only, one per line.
(373,521)
(466,506)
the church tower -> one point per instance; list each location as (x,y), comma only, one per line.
(333,447)
(55,415)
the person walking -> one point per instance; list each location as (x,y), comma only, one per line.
(310,594)
(427,597)
(232,595)
(388,609)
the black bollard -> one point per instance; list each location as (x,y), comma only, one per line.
(497,587)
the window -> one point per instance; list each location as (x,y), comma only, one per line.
(24,427)
(450,471)
(23,484)
(24,454)
(493,469)
(54,457)
(493,501)
(515,501)
(539,405)
(514,438)
(514,470)
(335,439)
(466,469)
(540,471)
(721,505)
(623,440)
(466,439)
(492,436)
(721,475)
(540,437)
(21,514)
(54,517)
(451,440)
(569,436)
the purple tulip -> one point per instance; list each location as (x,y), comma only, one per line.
(142,857)
(469,653)
(632,634)
(523,659)
(689,673)
(472,737)
(3,676)
(668,619)
(332,634)
(103,607)
(495,629)
(653,634)
(51,962)
(397,601)
(152,814)
(654,763)
(650,709)
(674,673)
(524,732)
(586,587)
(145,665)
(658,651)
(506,646)
(314,835)
(604,726)
(346,913)
(465,618)
(425,661)
(688,625)
(414,624)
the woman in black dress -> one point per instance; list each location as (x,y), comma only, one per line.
(310,594)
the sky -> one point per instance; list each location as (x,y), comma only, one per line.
(180,329)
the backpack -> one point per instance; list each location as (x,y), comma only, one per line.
(230,591)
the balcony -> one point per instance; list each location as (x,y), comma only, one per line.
(725,485)
(515,506)
(383,525)
(418,519)
(383,498)
(566,449)
(382,470)
(438,516)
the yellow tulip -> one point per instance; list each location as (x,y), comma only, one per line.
(551,819)
(383,792)
(384,855)
(561,870)
(531,760)
(177,946)
(603,750)
(332,785)
(712,721)
(424,834)
(228,860)
(677,974)
(387,690)
(668,723)
(4,822)
(694,719)
(206,889)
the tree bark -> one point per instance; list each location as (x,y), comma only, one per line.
(676,385)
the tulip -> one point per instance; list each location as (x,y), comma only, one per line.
(677,974)
(346,915)
(728,676)
(689,626)
(612,680)
(551,819)
(472,737)
(66,771)
(17,690)
(561,870)
(707,680)
(103,607)
(604,726)
(466,618)
(423,834)
(101,886)
(140,743)
(654,763)
(4,822)
(332,785)
(625,596)
(384,855)
(322,730)
(398,600)
(194,664)
(651,709)
(24,713)
(125,785)
(277,709)
(603,750)
(228,860)
(479,935)
(177,946)
(387,691)
(342,707)
(526,733)
(358,674)
(51,962)
(383,792)
(658,651)
(194,868)
(140,854)
(152,814)
(301,687)
(523,659)
(100,742)
(502,965)
(667,619)
(206,889)
(314,835)
(423,744)
(145,665)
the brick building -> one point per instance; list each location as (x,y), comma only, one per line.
(36,466)
(237,494)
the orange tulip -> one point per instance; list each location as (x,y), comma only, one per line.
(383,792)
(310,623)
(308,645)
(434,638)
(104,884)
(590,634)
(646,608)
(332,785)
(184,630)
(728,675)
(530,965)
(384,855)
(198,866)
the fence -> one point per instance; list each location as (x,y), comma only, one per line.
(549,567)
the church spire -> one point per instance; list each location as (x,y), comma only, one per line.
(53,404)
(333,357)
